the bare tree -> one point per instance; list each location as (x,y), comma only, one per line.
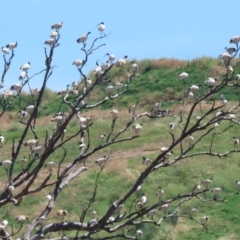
(117,221)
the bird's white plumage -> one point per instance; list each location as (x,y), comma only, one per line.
(101,27)
(53,34)
(5,50)
(121,61)
(183,75)
(16,87)
(21,218)
(225,56)
(143,199)
(139,232)
(50,41)
(57,25)
(101,161)
(137,128)
(165,207)
(159,192)
(111,57)
(235,39)
(12,45)
(25,66)
(78,62)
(6,163)
(83,38)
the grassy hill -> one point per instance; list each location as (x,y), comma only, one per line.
(156,81)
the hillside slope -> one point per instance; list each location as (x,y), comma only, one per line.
(157,81)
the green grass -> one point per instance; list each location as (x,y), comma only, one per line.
(157,81)
(179,178)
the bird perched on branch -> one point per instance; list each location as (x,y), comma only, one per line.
(139,233)
(78,62)
(230,50)
(82,146)
(190,140)
(225,56)
(229,70)
(50,41)
(114,113)
(143,199)
(238,185)
(159,192)
(101,161)
(101,138)
(64,91)
(165,207)
(235,143)
(193,211)
(12,45)
(30,143)
(146,161)
(26,66)
(207,182)
(151,213)
(1,140)
(155,108)
(49,197)
(105,66)
(109,88)
(134,67)
(16,87)
(5,50)
(58,119)
(137,128)
(121,62)
(83,38)
(22,161)
(62,213)
(6,164)
(205,220)
(197,188)
(235,39)
(171,126)
(57,25)
(5,222)
(50,166)
(23,114)
(101,28)
(133,109)
(111,57)
(53,34)
(22,75)
(21,219)
(182,76)
(216,191)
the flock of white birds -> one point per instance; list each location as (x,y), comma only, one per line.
(85,121)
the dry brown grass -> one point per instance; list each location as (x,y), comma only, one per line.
(182,227)
(169,63)
(229,237)
(217,71)
(204,106)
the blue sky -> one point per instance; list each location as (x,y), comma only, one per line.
(183,29)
